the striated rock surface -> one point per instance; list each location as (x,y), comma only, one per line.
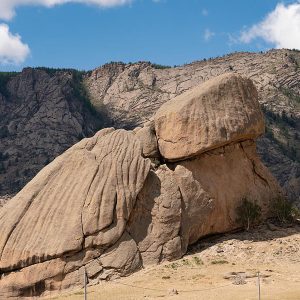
(108,207)
(221,111)
(73,210)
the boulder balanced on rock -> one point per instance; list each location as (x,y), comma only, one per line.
(125,199)
(220,111)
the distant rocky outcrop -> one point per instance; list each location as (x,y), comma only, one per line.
(125,199)
(42,114)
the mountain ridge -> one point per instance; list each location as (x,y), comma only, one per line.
(125,96)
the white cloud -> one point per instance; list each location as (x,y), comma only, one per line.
(7,7)
(208,34)
(12,49)
(281,27)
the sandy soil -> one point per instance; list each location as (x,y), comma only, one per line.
(223,267)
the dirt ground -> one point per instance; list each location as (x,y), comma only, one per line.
(221,267)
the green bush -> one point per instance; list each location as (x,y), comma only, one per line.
(248,213)
(284,211)
(197,260)
(295,212)
(219,262)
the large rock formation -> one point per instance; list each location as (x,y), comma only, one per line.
(43,112)
(109,205)
(187,125)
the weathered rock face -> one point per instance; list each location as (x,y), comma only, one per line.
(41,116)
(222,110)
(74,209)
(148,139)
(184,201)
(104,208)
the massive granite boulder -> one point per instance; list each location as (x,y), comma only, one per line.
(220,111)
(122,200)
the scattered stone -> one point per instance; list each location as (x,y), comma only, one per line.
(239,279)
(173,292)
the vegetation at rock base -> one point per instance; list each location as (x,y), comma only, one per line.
(197,260)
(219,262)
(248,213)
(284,211)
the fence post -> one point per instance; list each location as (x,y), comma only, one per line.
(258,284)
(85,284)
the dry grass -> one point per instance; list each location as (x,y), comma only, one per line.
(201,274)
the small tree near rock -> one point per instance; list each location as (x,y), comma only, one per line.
(284,211)
(248,213)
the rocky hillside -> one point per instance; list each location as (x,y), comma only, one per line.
(43,112)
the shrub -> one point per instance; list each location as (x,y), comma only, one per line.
(174,265)
(295,212)
(248,213)
(186,262)
(219,262)
(284,211)
(197,260)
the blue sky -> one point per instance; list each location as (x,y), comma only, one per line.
(170,32)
